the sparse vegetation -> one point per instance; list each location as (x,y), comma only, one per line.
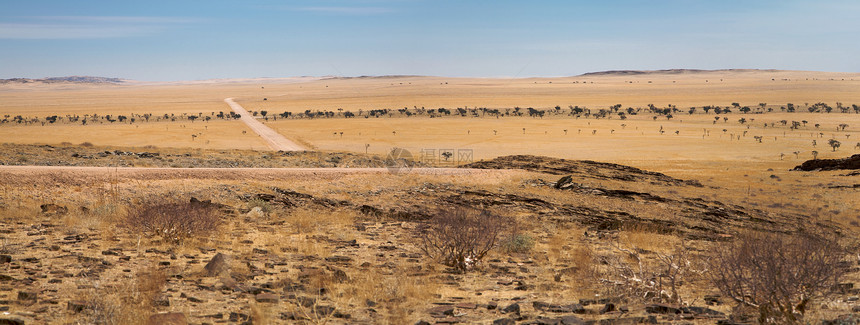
(173,221)
(351,246)
(461,237)
(779,275)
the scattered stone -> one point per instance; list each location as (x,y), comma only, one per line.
(256,213)
(492,305)
(112,251)
(5,259)
(220,263)
(564,182)
(545,321)
(662,309)
(571,320)
(339,259)
(513,308)
(27,295)
(504,321)
(441,311)
(236,317)
(465,305)
(703,311)
(76,306)
(607,308)
(168,319)
(573,308)
(267,298)
(51,209)
(712,300)
(628,320)
(11,321)
(195,299)
(847,319)
(339,275)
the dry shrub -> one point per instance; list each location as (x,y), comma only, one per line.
(518,244)
(127,302)
(461,237)
(397,296)
(630,274)
(173,221)
(777,274)
(646,237)
(309,221)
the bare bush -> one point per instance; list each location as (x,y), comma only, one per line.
(778,274)
(630,274)
(173,221)
(461,237)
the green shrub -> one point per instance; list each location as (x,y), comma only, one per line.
(518,243)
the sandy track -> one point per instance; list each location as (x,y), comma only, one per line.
(275,140)
(74,172)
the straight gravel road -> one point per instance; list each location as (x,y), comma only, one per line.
(275,140)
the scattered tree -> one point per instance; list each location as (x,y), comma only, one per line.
(834,144)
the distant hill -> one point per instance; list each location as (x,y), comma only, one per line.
(667,71)
(70,79)
(374,77)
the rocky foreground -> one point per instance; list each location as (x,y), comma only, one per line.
(347,250)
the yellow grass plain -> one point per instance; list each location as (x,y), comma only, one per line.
(638,143)
(300,94)
(209,135)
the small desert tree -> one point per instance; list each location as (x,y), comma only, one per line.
(778,274)
(834,144)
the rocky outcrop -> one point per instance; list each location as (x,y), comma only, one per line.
(852,162)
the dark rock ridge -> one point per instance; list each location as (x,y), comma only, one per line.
(852,162)
(579,168)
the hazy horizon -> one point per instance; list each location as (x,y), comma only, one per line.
(199,40)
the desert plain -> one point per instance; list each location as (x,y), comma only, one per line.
(146,202)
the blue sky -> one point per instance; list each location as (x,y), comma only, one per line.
(191,40)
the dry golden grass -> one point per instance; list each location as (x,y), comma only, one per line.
(691,89)
(209,135)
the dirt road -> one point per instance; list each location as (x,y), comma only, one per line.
(275,140)
(57,173)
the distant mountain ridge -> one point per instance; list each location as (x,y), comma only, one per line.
(69,79)
(668,71)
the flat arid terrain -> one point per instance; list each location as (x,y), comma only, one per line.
(619,197)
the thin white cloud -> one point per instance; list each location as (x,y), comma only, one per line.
(68,31)
(347,10)
(119,19)
(87,27)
